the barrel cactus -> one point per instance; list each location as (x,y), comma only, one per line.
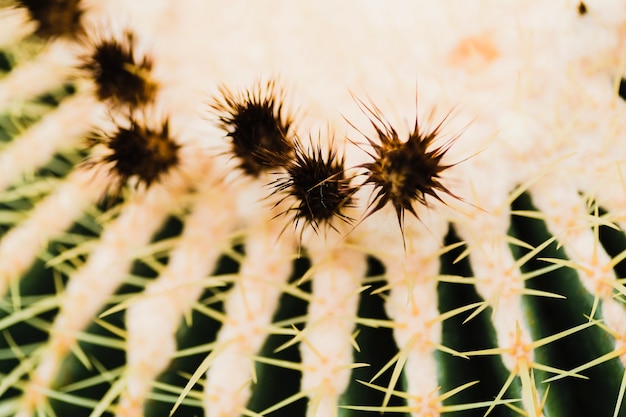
(320,208)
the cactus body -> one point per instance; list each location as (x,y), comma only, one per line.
(312,209)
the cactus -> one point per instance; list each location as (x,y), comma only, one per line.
(312,209)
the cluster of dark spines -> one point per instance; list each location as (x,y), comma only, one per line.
(55,18)
(404,173)
(258,127)
(121,78)
(582,8)
(260,131)
(319,185)
(145,154)
(123,82)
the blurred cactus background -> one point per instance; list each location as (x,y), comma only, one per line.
(317,209)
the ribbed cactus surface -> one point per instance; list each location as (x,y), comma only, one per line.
(317,209)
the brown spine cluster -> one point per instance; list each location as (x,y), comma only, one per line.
(140,152)
(257,125)
(55,18)
(120,77)
(136,150)
(318,184)
(403,172)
